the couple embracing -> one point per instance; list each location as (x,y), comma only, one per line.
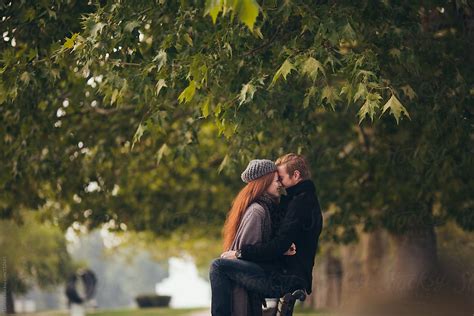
(270,240)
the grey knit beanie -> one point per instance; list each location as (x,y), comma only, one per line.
(257,168)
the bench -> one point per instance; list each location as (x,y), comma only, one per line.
(285,304)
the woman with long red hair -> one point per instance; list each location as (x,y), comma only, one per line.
(249,222)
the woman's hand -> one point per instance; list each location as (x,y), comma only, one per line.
(228,255)
(291,251)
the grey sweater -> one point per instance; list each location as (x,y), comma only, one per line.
(255,227)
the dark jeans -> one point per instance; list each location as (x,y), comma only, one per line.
(224,273)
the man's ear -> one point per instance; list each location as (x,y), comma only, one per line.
(297,175)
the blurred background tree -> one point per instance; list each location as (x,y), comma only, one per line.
(32,254)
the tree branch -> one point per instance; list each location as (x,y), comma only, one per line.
(271,40)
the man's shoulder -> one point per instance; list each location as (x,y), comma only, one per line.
(304,202)
(304,196)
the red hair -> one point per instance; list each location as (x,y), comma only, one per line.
(246,196)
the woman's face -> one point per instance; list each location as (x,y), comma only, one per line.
(274,188)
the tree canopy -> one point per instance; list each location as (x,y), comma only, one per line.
(127,110)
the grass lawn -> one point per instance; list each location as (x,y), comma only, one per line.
(158,312)
(310,312)
(125,312)
(146,312)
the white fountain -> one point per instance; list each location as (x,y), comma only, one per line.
(184,285)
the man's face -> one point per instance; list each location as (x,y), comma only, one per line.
(285,178)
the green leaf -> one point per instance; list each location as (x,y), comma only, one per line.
(97,28)
(198,70)
(366,74)
(228,48)
(159,85)
(3,94)
(308,96)
(205,107)
(130,26)
(258,32)
(213,7)
(361,92)
(284,70)
(123,91)
(332,61)
(188,93)
(25,77)
(163,151)
(347,90)
(359,62)
(409,92)
(229,130)
(138,134)
(311,67)
(69,43)
(329,94)
(395,53)
(42,105)
(32,53)
(188,39)
(246,93)
(396,108)
(115,94)
(217,110)
(160,58)
(348,32)
(248,12)
(29,14)
(224,163)
(370,106)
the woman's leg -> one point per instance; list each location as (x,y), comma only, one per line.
(226,272)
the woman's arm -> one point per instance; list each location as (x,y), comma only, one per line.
(250,230)
(295,220)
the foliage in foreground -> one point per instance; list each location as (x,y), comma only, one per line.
(123,113)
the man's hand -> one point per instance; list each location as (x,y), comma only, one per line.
(229,255)
(291,251)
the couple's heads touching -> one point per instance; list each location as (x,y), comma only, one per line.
(264,176)
(265,181)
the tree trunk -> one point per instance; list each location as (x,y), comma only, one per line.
(327,281)
(317,298)
(334,275)
(376,250)
(416,257)
(10,304)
